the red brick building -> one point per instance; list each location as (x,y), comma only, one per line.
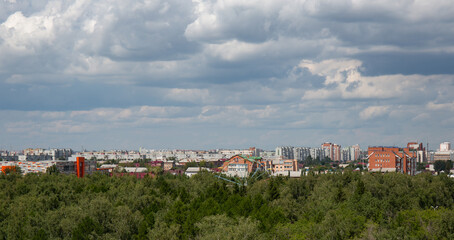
(392,159)
(241,165)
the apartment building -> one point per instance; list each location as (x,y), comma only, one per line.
(332,150)
(285,152)
(392,159)
(242,165)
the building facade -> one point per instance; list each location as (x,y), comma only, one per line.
(285,152)
(332,150)
(392,159)
(445,147)
(281,165)
(420,151)
(241,165)
(65,167)
(301,153)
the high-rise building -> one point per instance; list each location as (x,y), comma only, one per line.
(316,153)
(333,151)
(445,147)
(301,153)
(285,151)
(350,153)
(337,152)
(345,154)
(356,154)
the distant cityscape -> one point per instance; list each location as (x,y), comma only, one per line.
(284,160)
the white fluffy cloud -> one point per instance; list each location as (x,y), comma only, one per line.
(302,69)
(343,80)
(373,111)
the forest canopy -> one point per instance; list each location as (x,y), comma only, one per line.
(330,206)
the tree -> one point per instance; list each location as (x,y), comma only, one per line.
(40,235)
(11,170)
(421,166)
(326,206)
(156,170)
(326,161)
(448,165)
(439,166)
(224,227)
(87,229)
(273,189)
(52,170)
(360,188)
(171,158)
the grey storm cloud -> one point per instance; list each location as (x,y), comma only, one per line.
(298,72)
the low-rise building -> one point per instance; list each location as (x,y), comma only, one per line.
(191,171)
(242,166)
(292,174)
(135,169)
(63,166)
(168,165)
(280,165)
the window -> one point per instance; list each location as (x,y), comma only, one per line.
(238,167)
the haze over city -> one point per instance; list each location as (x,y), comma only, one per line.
(225,74)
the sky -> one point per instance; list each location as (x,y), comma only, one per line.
(204,74)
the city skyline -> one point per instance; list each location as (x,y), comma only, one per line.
(443,146)
(225,74)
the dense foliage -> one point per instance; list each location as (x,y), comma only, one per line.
(331,206)
(442,166)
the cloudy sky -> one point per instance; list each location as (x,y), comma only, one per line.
(225,74)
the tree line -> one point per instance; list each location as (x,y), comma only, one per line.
(329,206)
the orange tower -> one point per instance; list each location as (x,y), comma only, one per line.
(80,167)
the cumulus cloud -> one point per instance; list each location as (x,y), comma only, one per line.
(189,95)
(218,21)
(343,80)
(310,68)
(63,33)
(440,106)
(373,111)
